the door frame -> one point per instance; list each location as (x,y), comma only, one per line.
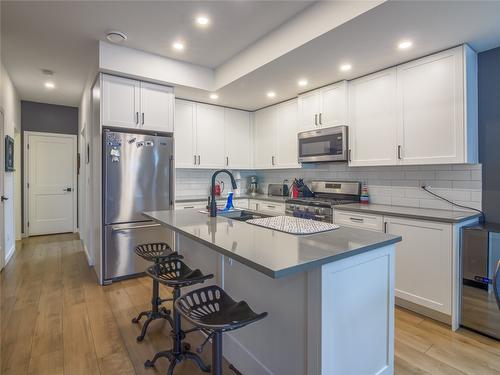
(2,184)
(26,135)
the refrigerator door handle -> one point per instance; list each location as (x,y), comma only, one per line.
(171,180)
(496,288)
(135,227)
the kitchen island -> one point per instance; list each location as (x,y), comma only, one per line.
(330,296)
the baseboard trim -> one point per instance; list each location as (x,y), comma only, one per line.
(422,310)
(89,259)
(9,254)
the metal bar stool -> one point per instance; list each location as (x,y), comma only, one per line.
(155,252)
(212,310)
(176,274)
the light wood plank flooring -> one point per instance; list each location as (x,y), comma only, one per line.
(55,319)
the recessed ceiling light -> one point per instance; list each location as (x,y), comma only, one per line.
(271,94)
(345,67)
(202,21)
(214,96)
(116,36)
(49,85)
(405,44)
(302,82)
(178,46)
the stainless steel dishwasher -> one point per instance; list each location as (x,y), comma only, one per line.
(480,260)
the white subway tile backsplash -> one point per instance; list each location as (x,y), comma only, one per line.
(398,185)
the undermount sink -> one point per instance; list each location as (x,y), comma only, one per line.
(242,215)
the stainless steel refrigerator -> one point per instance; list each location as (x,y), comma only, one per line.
(137,177)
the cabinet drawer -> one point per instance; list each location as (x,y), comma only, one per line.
(197,204)
(267,206)
(357,220)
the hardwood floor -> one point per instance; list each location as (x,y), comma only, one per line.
(56,319)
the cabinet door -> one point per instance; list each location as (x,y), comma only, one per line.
(120,102)
(210,136)
(309,108)
(157,107)
(373,119)
(334,105)
(286,141)
(238,137)
(185,124)
(423,262)
(264,133)
(431,91)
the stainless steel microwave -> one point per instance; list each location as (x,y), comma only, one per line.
(326,144)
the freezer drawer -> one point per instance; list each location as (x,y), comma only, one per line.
(120,242)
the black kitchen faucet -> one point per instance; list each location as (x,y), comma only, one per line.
(213,203)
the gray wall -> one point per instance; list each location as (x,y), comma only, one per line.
(41,117)
(48,118)
(489,131)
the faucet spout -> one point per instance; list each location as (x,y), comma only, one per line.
(213,203)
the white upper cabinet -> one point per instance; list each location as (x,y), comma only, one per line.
(309,108)
(264,137)
(421,112)
(157,107)
(128,103)
(120,102)
(286,155)
(433,104)
(373,119)
(323,107)
(210,139)
(333,105)
(275,136)
(185,132)
(238,138)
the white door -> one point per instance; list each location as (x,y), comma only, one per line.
(210,139)
(264,133)
(423,262)
(2,204)
(431,91)
(52,183)
(286,141)
(120,102)
(238,138)
(157,107)
(373,119)
(334,105)
(309,108)
(185,122)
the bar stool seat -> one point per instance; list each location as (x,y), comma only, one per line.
(155,252)
(212,308)
(176,274)
(215,312)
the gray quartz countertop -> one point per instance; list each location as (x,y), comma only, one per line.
(445,216)
(273,253)
(263,197)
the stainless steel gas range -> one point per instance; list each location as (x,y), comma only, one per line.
(326,195)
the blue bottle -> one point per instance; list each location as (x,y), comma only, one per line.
(229,202)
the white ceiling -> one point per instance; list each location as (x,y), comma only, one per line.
(368,42)
(62,36)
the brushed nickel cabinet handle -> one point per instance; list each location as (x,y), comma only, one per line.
(356,219)
(137,118)
(320,119)
(142,118)
(227,160)
(199,159)
(399,152)
(316,119)
(194,162)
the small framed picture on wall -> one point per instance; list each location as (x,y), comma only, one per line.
(9,154)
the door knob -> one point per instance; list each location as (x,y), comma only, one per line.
(4,198)
(67,189)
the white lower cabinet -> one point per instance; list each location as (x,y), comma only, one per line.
(424,259)
(424,262)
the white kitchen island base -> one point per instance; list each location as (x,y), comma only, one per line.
(334,319)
